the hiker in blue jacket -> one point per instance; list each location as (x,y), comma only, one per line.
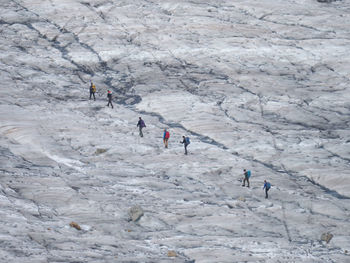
(267,187)
(185,142)
(141,124)
(246,177)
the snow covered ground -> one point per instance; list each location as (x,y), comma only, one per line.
(261,85)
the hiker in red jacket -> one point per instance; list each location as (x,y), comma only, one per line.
(166,137)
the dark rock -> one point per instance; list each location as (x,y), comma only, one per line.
(100,150)
(75,225)
(326,237)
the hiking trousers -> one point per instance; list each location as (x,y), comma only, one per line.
(185,145)
(92,94)
(166,142)
(266,190)
(140,131)
(110,102)
(244,180)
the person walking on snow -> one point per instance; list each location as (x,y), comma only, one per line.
(141,124)
(246,177)
(185,142)
(109,96)
(166,137)
(92,90)
(267,187)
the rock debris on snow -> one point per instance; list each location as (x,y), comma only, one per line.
(135,213)
(75,225)
(326,237)
(172,253)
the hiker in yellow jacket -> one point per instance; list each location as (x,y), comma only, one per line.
(92,90)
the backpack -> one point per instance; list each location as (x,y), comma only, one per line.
(93,88)
(248,174)
(268,185)
(167,135)
(187,140)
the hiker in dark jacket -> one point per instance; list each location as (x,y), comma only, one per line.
(246,177)
(92,90)
(141,124)
(267,187)
(109,96)
(185,142)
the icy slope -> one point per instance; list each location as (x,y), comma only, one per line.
(262,85)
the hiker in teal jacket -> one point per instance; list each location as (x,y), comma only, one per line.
(246,177)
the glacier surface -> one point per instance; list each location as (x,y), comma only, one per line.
(259,85)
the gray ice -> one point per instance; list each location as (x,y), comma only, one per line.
(259,85)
